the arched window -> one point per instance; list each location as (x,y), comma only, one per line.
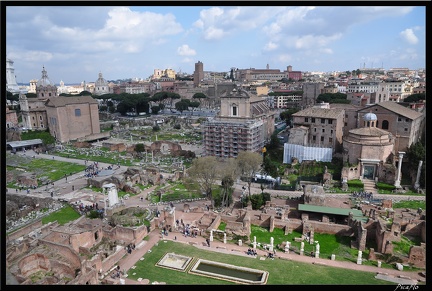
(234,110)
(385,124)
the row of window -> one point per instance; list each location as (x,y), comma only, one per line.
(322,138)
(329,121)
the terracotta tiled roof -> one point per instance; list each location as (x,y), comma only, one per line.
(399,109)
(320,112)
(63,101)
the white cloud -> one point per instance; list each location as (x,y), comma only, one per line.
(409,36)
(212,33)
(185,50)
(270,46)
(36,56)
(284,58)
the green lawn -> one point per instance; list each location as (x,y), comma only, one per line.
(62,216)
(281,272)
(43,169)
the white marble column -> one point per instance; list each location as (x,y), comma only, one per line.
(397,182)
(417,182)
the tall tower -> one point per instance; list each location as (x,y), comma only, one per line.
(198,73)
(11,83)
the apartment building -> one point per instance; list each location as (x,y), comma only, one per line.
(244,123)
(283,101)
(267,74)
(322,127)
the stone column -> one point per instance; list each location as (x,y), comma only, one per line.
(417,182)
(224,237)
(397,182)
(287,246)
(317,251)
(359,258)
(254,243)
(211,235)
(302,248)
(271,244)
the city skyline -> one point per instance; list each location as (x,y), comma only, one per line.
(76,43)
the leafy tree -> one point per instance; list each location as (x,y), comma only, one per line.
(45,136)
(332,98)
(85,93)
(229,173)
(28,95)
(194,104)
(249,164)
(270,167)
(12,97)
(227,183)
(155,109)
(200,97)
(139,147)
(182,105)
(416,153)
(415,97)
(204,171)
(287,115)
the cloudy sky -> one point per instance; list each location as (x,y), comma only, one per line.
(75,43)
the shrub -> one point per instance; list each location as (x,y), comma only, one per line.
(384,186)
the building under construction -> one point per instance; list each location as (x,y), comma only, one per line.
(244,123)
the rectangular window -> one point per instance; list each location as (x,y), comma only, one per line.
(399,119)
(323,130)
(234,111)
(330,121)
(322,120)
(313,119)
(77,112)
(306,119)
(314,137)
(330,139)
(315,129)
(322,138)
(405,129)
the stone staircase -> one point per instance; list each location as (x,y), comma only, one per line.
(369,186)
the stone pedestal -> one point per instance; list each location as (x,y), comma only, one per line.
(333,257)
(240,243)
(379,264)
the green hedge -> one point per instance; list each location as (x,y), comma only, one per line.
(355,183)
(384,186)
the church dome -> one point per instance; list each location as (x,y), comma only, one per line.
(44,81)
(101,81)
(370,117)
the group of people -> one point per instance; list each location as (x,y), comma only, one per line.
(362,194)
(252,252)
(130,247)
(116,273)
(92,170)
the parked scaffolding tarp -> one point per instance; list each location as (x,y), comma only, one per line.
(306,153)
